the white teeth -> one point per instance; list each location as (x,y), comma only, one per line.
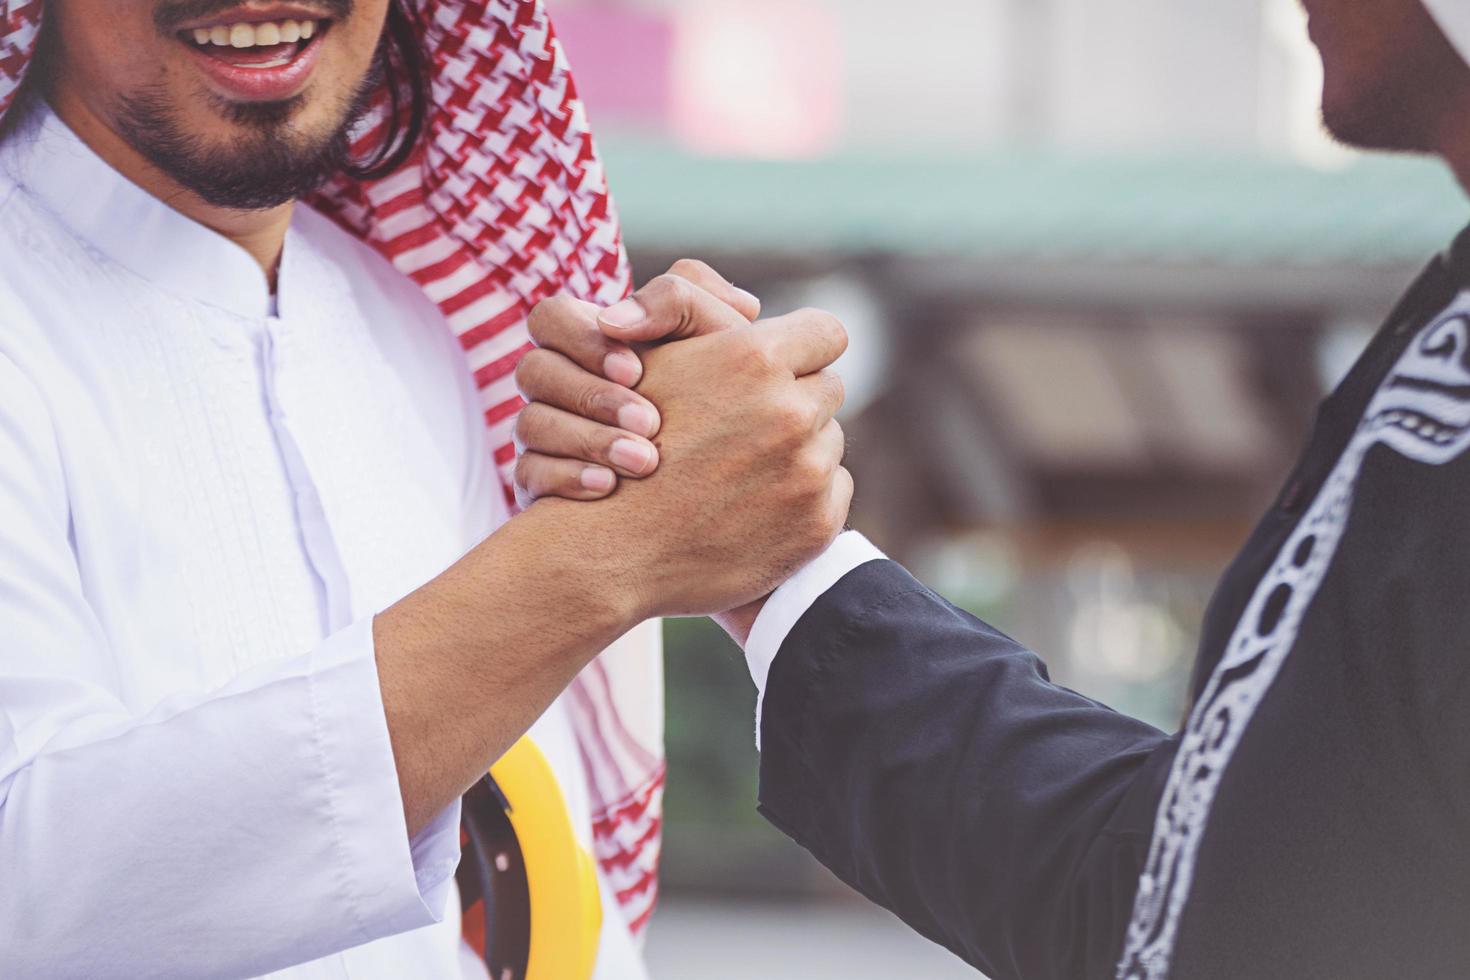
(255,35)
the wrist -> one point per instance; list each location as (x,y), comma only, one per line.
(469,661)
(592,565)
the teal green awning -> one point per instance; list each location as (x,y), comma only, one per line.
(1040,206)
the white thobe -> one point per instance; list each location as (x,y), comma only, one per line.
(206,493)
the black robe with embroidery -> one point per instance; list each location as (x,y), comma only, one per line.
(1312,818)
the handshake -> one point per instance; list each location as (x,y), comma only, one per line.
(719,428)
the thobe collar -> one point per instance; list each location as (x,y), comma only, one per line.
(132,227)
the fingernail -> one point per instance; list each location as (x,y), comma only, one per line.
(623,368)
(638,419)
(628,313)
(597,479)
(635,457)
(754,299)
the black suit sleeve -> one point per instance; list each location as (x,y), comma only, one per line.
(927,760)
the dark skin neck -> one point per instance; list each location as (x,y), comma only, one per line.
(1452,140)
(260,233)
(1455,151)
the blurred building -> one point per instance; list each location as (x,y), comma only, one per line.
(1099,264)
(1129,75)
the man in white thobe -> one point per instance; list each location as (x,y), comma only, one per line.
(256,634)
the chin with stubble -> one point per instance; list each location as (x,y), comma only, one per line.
(246,104)
(1391,80)
(267,159)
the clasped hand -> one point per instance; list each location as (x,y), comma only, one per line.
(720,424)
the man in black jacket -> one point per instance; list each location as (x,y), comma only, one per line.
(1312,818)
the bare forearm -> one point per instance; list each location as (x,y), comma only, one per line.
(750,488)
(471,660)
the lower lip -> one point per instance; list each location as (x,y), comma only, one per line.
(260,84)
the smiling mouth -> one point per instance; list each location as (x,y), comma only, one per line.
(256,45)
(257,56)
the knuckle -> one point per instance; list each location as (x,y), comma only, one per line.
(529,425)
(674,289)
(702,275)
(691,269)
(749,344)
(760,352)
(784,422)
(546,314)
(826,323)
(591,402)
(673,299)
(836,386)
(845,490)
(811,473)
(536,322)
(525,473)
(849,486)
(593,445)
(842,507)
(528,369)
(797,417)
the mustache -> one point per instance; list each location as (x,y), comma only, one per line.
(168,18)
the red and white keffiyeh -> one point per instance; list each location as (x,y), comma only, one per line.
(505,204)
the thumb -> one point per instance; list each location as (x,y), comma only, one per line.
(672,307)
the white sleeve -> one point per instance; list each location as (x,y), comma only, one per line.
(231,832)
(791,601)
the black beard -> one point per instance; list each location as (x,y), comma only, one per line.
(1406,106)
(265,168)
(1387,117)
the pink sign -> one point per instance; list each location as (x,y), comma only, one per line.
(758,77)
(623,60)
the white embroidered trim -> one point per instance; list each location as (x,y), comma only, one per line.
(1422,411)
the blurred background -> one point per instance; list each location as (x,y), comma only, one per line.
(1099,264)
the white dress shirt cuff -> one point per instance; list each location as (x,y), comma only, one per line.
(790,602)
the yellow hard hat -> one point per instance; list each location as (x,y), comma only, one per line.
(543,913)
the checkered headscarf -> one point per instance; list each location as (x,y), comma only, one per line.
(504,205)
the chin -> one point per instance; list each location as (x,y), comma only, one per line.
(1362,134)
(1373,118)
(1351,130)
